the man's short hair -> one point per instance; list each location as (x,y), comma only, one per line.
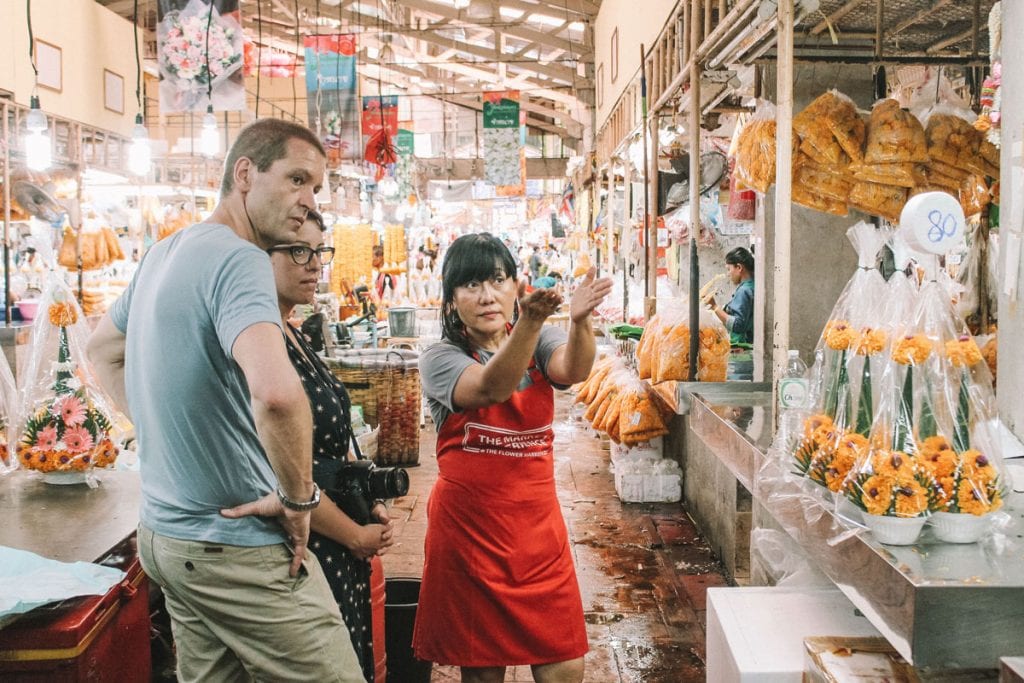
(264,142)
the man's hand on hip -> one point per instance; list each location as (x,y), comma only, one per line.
(295,524)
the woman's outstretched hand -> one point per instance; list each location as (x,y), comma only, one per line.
(539,304)
(588,295)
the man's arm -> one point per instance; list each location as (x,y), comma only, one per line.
(106,352)
(285,427)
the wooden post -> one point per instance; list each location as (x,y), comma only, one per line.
(783,188)
(7,219)
(694,130)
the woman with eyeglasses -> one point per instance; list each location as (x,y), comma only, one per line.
(343,547)
(499,587)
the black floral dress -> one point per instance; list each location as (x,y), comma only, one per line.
(348,576)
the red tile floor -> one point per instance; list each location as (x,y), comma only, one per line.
(643,568)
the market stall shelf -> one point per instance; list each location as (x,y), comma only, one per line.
(912,594)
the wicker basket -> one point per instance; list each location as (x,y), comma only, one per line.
(386,383)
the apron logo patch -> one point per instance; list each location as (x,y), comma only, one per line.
(481,438)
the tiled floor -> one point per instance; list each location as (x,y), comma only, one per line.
(643,568)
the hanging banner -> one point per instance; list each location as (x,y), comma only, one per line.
(405,145)
(502,165)
(197,52)
(380,112)
(333,107)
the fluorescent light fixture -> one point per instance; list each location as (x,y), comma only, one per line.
(38,148)
(510,12)
(209,138)
(546,20)
(460,4)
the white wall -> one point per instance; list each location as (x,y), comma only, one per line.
(1011,313)
(638,22)
(91,38)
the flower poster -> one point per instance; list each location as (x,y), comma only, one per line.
(331,87)
(200,56)
(502,165)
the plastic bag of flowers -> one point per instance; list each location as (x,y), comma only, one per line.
(847,358)
(66,425)
(713,348)
(8,416)
(640,413)
(755,149)
(933,446)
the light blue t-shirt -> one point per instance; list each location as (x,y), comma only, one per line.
(193,294)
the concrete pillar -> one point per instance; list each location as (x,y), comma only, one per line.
(1011,214)
(822,259)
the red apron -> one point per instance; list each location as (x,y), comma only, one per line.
(499,587)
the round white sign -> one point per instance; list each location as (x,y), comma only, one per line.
(933,223)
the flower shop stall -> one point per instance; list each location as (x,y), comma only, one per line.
(893,482)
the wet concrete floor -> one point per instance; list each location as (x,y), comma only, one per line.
(643,568)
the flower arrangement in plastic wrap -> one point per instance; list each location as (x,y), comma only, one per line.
(8,398)
(847,356)
(65,429)
(932,440)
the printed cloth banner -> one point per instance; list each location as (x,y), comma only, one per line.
(380,112)
(331,87)
(199,44)
(405,146)
(501,138)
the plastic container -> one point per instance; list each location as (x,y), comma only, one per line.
(28,309)
(402,322)
(402,598)
(101,638)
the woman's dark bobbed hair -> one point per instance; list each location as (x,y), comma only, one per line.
(471,257)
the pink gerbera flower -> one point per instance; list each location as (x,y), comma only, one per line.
(70,410)
(46,439)
(77,439)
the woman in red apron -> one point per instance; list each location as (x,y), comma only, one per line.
(499,587)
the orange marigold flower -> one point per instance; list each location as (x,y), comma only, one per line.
(870,341)
(963,352)
(839,335)
(972,500)
(837,470)
(895,464)
(826,436)
(940,463)
(911,498)
(935,443)
(978,467)
(912,349)
(812,424)
(63,313)
(876,495)
(944,491)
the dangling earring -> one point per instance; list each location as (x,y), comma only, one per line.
(515,311)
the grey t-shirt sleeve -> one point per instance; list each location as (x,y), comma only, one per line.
(441,365)
(551,338)
(242,294)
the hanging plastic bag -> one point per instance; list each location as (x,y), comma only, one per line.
(831,131)
(894,135)
(67,426)
(755,151)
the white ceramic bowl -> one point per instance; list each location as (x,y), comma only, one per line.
(956,527)
(894,530)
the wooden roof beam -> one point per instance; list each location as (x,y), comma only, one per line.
(836,16)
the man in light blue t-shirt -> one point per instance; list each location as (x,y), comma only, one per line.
(194,352)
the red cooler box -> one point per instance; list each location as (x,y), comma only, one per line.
(96,638)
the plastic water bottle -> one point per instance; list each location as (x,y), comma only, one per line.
(793,398)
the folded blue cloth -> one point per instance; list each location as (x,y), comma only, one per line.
(28,580)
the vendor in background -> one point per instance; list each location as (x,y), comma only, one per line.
(384,282)
(738,314)
(553,280)
(343,547)
(499,588)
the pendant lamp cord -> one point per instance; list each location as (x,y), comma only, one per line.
(138,58)
(31,43)
(259,53)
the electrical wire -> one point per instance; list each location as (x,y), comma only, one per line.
(31,40)
(138,58)
(298,37)
(259,53)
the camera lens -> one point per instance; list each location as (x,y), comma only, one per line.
(388,482)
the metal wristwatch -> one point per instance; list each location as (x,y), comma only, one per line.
(300,507)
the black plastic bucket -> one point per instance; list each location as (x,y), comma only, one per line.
(401,596)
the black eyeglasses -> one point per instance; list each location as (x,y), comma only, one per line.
(301,255)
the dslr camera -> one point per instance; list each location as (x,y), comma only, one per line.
(358,483)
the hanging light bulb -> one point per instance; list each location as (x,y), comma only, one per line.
(140,155)
(209,138)
(461,4)
(388,186)
(38,150)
